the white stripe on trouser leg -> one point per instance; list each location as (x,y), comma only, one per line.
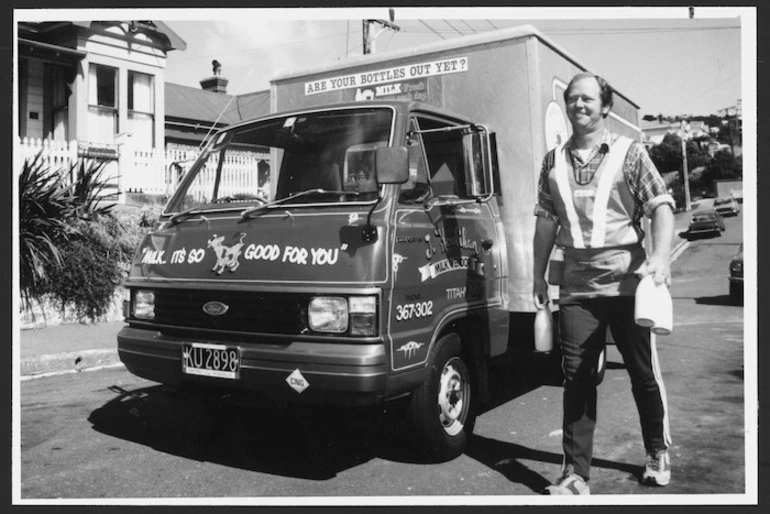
(659,379)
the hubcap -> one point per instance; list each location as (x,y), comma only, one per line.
(453,389)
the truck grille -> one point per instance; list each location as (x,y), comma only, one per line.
(273,313)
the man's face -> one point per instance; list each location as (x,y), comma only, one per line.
(584,105)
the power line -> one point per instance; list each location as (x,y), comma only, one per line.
(586,31)
(709,90)
(392,34)
(264,47)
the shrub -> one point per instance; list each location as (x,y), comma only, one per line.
(92,194)
(90,269)
(73,248)
(44,207)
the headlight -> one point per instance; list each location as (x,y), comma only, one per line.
(328,314)
(144,304)
(336,314)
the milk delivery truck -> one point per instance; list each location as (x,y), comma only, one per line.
(392,257)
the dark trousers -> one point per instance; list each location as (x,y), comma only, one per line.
(583,326)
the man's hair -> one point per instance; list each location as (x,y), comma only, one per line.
(605,90)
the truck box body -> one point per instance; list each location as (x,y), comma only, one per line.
(511,81)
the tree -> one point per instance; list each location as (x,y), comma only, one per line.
(667,156)
(724,165)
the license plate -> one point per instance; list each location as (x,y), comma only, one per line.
(211,360)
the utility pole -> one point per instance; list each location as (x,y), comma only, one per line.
(684,132)
(366,29)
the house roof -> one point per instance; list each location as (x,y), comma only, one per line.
(196,104)
(150,27)
(252,105)
(189,103)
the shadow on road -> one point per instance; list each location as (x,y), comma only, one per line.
(296,441)
(693,237)
(308,442)
(723,300)
(505,458)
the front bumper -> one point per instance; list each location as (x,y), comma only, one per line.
(336,373)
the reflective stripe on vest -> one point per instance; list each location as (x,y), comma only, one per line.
(606,176)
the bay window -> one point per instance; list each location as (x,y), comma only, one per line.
(102,103)
(141,108)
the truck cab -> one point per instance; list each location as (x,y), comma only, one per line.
(375,268)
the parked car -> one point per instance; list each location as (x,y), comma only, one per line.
(726,206)
(706,222)
(736,277)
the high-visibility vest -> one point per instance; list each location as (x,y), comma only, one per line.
(598,214)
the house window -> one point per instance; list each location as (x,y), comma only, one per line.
(102,103)
(141,108)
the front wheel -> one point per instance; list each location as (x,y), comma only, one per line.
(441,410)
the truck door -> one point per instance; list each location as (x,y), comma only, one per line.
(448,256)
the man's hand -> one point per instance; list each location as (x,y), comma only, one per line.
(657,264)
(540,291)
(658,267)
(545,235)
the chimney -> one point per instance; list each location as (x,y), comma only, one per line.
(216,83)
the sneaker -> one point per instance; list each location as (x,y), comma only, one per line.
(569,483)
(657,468)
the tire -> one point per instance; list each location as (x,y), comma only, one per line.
(736,293)
(441,410)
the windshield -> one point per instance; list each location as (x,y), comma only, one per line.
(327,155)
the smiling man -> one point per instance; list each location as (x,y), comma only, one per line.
(593,192)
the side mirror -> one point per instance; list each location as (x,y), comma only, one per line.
(392,165)
(479,173)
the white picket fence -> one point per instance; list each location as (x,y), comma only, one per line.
(151,171)
(56,154)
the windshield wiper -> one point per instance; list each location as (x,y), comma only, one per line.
(196,209)
(253,210)
(180,216)
(241,197)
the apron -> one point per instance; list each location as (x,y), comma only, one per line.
(593,272)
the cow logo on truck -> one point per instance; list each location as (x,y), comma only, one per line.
(227,256)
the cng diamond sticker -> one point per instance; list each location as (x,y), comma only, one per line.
(297,382)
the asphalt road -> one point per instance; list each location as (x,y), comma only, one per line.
(108,436)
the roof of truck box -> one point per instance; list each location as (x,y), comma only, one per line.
(518,32)
(401,106)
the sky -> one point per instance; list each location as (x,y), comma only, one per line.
(663,60)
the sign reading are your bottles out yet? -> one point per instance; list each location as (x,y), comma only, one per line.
(387,75)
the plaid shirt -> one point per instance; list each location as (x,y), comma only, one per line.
(642,178)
